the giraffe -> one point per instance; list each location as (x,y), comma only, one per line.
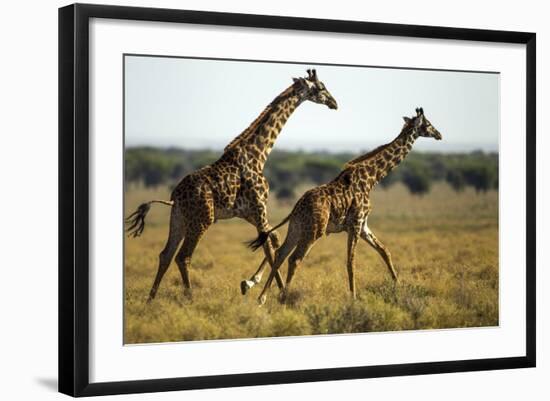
(343,205)
(233,186)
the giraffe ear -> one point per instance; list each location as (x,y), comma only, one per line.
(407,119)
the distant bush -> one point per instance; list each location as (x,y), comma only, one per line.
(154,166)
(285,194)
(392,178)
(286,170)
(480,177)
(321,171)
(456,180)
(417,180)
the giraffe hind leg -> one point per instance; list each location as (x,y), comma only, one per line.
(183,258)
(257,276)
(272,244)
(280,255)
(302,249)
(175,235)
(258,218)
(269,251)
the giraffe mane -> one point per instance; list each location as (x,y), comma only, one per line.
(371,154)
(259,120)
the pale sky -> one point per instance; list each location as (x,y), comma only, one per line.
(197,104)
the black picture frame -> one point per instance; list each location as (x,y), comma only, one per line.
(74,199)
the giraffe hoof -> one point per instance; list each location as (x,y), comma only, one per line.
(283,297)
(187,293)
(246,285)
(261,300)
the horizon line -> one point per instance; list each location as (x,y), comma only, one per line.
(306,150)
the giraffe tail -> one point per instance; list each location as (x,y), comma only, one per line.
(264,235)
(259,241)
(136,221)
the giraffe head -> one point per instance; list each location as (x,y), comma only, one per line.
(422,126)
(312,89)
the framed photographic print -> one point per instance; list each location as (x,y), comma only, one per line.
(250,199)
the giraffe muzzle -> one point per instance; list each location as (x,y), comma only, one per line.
(332,104)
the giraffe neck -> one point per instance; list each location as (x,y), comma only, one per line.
(382,160)
(256,142)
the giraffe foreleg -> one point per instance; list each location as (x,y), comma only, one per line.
(254,279)
(372,240)
(352,242)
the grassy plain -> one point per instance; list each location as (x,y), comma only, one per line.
(444,245)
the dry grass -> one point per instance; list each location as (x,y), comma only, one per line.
(444,245)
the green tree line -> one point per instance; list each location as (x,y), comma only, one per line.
(286,170)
